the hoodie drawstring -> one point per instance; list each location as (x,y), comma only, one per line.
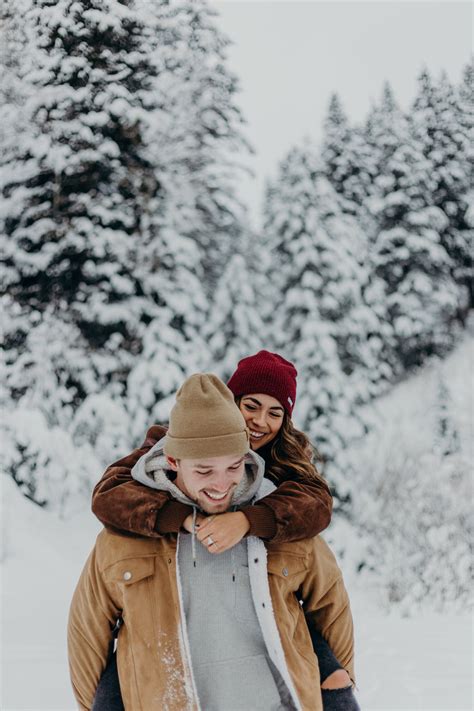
(193,536)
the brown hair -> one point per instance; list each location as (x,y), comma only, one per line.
(292,455)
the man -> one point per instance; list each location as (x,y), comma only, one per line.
(200,631)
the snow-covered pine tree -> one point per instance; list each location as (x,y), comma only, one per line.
(15,60)
(386,128)
(203,134)
(75,184)
(421,298)
(194,222)
(348,159)
(171,278)
(317,279)
(75,188)
(234,328)
(463,232)
(435,121)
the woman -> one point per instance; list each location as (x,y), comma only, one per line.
(264,387)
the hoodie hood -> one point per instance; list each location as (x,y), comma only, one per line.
(152,470)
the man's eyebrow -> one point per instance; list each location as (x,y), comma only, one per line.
(257,402)
(201,465)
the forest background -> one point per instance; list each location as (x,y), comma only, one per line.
(132,259)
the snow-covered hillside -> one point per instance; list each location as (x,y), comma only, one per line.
(410,480)
(422,661)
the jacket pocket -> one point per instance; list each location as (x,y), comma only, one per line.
(130,571)
(286,572)
(286,566)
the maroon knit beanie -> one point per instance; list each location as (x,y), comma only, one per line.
(266,373)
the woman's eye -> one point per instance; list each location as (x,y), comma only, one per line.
(250,407)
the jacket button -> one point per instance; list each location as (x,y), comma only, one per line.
(285,572)
(127,575)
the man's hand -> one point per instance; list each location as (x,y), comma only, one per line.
(226,530)
(188,522)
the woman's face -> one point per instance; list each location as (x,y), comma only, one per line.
(263,415)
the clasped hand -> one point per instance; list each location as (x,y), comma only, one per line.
(224,530)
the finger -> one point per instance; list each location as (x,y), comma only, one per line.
(203,535)
(216,549)
(206,522)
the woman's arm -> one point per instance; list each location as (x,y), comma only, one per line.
(123,504)
(295,510)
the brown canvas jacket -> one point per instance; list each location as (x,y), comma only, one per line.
(137,577)
(295,510)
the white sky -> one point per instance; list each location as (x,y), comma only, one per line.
(290,56)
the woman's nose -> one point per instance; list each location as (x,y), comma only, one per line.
(260,419)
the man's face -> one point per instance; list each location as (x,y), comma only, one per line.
(210,482)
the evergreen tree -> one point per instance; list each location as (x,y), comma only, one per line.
(435,124)
(15,60)
(202,134)
(171,276)
(463,230)
(348,160)
(74,189)
(234,328)
(317,276)
(386,128)
(421,298)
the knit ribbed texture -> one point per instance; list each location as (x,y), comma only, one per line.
(262,521)
(266,373)
(205,421)
(171,516)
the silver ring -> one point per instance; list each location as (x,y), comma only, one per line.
(210,542)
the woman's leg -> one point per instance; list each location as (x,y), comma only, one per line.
(108,696)
(336,686)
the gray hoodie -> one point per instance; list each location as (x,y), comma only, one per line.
(231,668)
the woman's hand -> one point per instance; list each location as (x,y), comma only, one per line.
(226,530)
(188,522)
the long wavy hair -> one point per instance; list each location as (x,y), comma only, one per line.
(291,455)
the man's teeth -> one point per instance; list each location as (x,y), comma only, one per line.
(217,497)
(256,435)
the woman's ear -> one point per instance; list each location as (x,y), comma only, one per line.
(172,463)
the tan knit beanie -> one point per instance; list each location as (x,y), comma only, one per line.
(205,421)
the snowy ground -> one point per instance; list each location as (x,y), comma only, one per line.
(422,663)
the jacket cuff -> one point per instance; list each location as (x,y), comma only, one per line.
(262,521)
(170,517)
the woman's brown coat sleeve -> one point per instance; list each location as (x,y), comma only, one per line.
(295,510)
(124,505)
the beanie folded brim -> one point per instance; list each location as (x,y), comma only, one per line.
(236,443)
